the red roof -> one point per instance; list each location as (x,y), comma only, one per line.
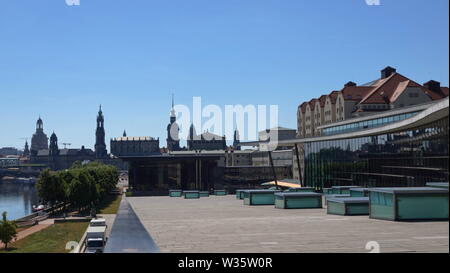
(333,96)
(322,100)
(303,107)
(312,103)
(355,92)
(388,90)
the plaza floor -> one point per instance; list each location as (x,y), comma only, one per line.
(222,224)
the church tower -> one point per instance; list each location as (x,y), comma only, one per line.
(100,146)
(26,151)
(39,141)
(173,140)
(53,150)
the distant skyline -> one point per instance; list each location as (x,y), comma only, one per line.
(61,62)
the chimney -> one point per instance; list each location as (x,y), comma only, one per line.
(350,83)
(433,86)
(388,71)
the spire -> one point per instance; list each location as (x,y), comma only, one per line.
(124,133)
(26,151)
(100,146)
(172,112)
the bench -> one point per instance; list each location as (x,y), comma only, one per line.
(443,185)
(259,197)
(298,200)
(331,196)
(342,189)
(191,194)
(240,193)
(359,192)
(175,193)
(348,206)
(220,192)
(204,194)
(412,203)
(302,189)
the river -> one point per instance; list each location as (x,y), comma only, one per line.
(17,198)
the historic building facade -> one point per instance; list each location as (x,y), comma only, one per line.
(391,91)
(134,146)
(206,141)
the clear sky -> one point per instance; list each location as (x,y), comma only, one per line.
(62,61)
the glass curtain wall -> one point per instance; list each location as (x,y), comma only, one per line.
(406,158)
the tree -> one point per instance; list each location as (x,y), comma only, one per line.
(8,230)
(51,187)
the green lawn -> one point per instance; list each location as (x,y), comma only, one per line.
(50,240)
(109,205)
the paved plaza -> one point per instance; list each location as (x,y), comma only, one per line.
(223,224)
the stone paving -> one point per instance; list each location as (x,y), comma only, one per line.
(222,224)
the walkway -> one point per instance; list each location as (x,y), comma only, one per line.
(128,235)
(219,224)
(26,232)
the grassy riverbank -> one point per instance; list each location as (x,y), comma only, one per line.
(50,240)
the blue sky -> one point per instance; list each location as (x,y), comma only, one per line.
(62,62)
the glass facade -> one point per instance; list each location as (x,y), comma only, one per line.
(405,158)
(367,124)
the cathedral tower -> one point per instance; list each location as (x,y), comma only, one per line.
(100,146)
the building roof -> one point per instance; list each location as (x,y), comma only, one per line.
(380,91)
(210,136)
(333,96)
(312,103)
(389,90)
(322,100)
(355,93)
(303,107)
(133,138)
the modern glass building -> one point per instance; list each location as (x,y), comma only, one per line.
(404,147)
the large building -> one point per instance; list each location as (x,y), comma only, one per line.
(391,91)
(134,146)
(8,151)
(206,141)
(404,146)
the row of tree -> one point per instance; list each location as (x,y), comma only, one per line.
(83,186)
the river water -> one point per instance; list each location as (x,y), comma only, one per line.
(17,198)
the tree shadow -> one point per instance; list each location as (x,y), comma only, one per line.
(9,249)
